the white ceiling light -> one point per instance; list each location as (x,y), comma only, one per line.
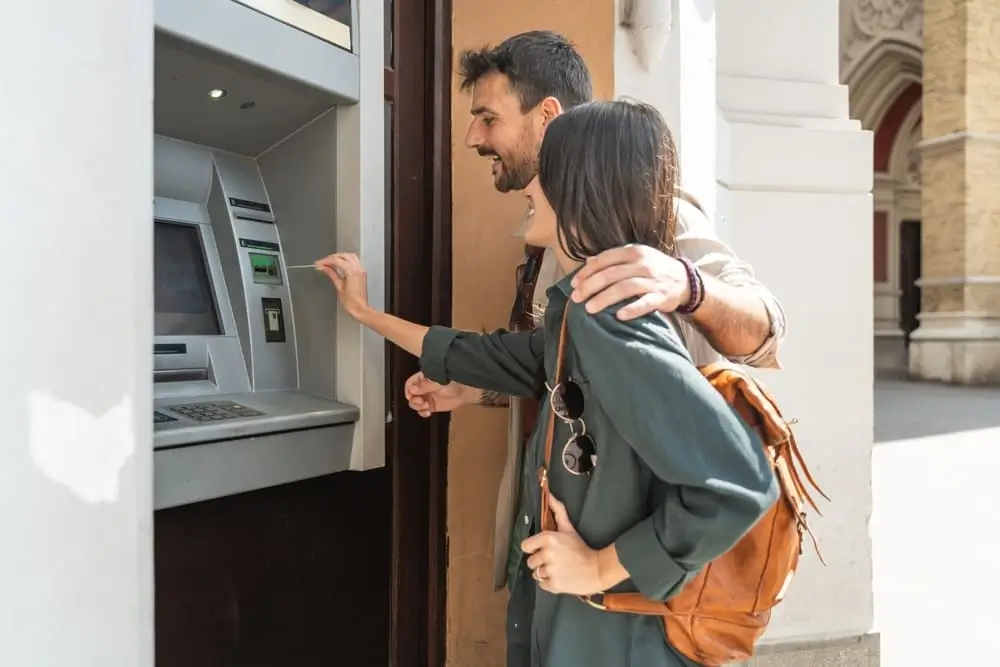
(217,93)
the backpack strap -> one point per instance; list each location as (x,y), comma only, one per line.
(775,433)
(548,520)
(762,401)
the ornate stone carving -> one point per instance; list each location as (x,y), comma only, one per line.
(876,17)
(648,25)
(866,22)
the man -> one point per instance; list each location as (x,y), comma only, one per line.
(518,87)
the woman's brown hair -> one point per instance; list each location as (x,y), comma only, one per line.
(609,170)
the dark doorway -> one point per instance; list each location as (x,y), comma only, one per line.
(909,274)
(346,569)
(418,111)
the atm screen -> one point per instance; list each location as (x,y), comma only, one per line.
(184,302)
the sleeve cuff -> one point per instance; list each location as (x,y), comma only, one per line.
(654,573)
(434,354)
(766,356)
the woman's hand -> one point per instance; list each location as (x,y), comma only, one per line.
(427,397)
(345,271)
(561,562)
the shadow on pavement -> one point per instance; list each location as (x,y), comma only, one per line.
(906,410)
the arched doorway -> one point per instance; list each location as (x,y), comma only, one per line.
(896,257)
(885,88)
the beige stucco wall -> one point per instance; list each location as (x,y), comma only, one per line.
(484,259)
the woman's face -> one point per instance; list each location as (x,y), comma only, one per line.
(541,219)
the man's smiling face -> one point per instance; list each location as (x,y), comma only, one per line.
(502,132)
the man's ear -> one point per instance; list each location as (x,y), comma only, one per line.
(548,109)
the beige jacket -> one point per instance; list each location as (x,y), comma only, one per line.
(697,241)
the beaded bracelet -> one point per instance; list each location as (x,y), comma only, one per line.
(696,285)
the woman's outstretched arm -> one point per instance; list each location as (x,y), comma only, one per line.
(347,274)
(511,363)
(499,361)
(407,335)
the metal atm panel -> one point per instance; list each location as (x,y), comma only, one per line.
(286,390)
(229,413)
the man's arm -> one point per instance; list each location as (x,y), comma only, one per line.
(735,320)
(739,316)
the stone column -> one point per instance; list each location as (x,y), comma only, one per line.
(76,484)
(795,176)
(959,335)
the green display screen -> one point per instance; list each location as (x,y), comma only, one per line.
(265,268)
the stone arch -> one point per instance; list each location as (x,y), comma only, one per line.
(879,76)
(885,83)
(904,157)
(894,125)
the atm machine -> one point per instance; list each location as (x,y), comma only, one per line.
(267,155)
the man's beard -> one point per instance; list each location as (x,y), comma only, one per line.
(514,174)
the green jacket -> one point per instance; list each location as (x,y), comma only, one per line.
(679,480)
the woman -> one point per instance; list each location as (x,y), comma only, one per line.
(652,474)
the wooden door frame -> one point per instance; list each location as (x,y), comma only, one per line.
(419,86)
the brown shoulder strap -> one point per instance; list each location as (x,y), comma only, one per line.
(548,521)
(775,433)
(550,432)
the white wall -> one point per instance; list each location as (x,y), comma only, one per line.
(794,178)
(799,174)
(76,456)
(673,68)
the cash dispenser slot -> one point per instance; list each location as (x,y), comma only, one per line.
(181,375)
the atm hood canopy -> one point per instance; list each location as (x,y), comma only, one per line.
(250,110)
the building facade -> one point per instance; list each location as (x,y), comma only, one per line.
(920,74)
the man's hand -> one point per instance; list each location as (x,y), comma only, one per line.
(428,397)
(659,280)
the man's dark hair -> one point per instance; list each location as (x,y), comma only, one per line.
(539,64)
(609,170)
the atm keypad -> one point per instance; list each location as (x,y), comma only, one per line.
(214,411)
